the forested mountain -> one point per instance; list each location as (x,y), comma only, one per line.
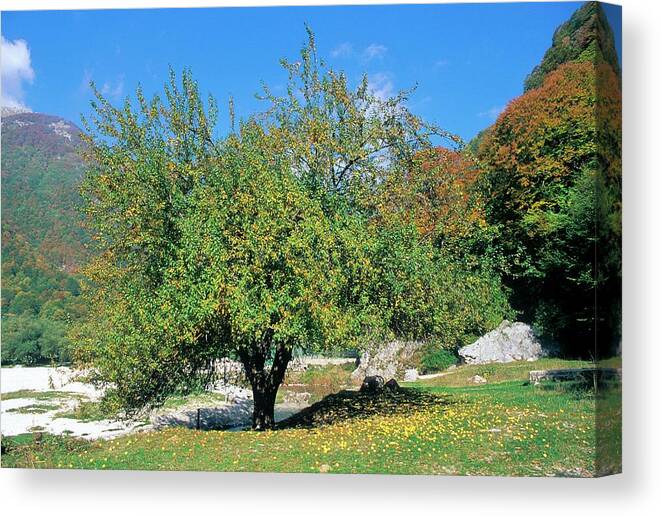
(42,240)
(585,37)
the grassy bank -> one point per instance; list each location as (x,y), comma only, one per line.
(504,428)
(496,373)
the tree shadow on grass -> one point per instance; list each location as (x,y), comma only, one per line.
(347,405)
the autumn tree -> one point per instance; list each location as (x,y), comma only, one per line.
(345,142)
(441,193)
(554,184)
(254,245)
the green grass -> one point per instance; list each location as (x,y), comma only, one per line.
(205,399)
(39,395)
(505,428)
(331,376)
(611,362)
(33,409)
(609,431)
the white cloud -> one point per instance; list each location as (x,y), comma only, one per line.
(441,62)
(381,86)
(16,69)
(342,50)
(374,51)
(492,113)
(113,90)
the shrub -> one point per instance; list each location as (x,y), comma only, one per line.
(437,360)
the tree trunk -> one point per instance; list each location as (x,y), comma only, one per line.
(263,411)
(264,383)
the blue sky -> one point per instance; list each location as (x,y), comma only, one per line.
(468,60)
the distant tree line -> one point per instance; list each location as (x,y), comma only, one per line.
(38,304)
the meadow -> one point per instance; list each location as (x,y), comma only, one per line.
(433,426)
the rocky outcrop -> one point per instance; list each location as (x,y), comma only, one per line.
(8,111)
(302,363)
(388,360)
(509,342)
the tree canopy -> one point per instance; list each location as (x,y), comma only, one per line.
(261,243)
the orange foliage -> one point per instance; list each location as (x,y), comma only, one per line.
(438,193)
(547,135)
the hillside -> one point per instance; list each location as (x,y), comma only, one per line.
(41,170)
(586,36)
(42,241)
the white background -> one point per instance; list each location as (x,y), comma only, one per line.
(636,492)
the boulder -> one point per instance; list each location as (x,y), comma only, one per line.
(585,375)
(372,384)
(387,360)
(478,379)
(392,385)
(509,342)
(410,375)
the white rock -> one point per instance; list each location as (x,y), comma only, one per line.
(478,379)
(60,128)
(65,380)
(388,360)
(46,379)
(325,361)
(8,111)
(410,375)
(509,342)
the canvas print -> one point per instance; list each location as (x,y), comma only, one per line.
(371,239)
